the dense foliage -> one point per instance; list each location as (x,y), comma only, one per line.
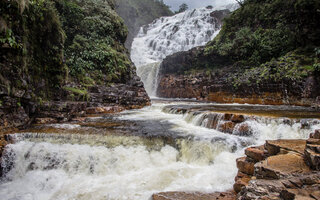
(31,46)
(95,35)
(45,44)
(266,29)
(137,13)
(270,40)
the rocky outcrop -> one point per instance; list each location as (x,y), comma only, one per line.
(282,169)
(216,87)
(194,196)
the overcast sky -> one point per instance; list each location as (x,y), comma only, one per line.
(174,4)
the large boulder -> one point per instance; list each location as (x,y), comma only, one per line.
(275,167)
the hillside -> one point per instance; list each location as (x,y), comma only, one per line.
(266,46)
(137,13)
(62,50)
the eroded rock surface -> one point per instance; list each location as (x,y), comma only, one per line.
(283,169)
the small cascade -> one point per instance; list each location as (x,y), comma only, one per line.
(169,35)
(149,76)
(260,127)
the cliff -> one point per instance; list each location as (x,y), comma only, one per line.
(254,59)
(60,57)
(137,13)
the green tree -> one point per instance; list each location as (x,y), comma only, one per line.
(183,7)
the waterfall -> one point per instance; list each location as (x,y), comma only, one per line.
(148,74)
(168,35)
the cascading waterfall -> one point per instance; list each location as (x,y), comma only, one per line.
(148,74)
(168,35)
(185,156)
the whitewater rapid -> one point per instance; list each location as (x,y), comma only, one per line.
(183,156)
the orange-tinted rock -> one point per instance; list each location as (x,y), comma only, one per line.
(275,167)
(313,141)
(256,153)
(104,110)
(194,196)
(312,159)
(237,118)
(245,166)
(313,147)
(45,120)
(243,129)
(315,135)
(274,146)
(227,117)
(241,180)
(227,127)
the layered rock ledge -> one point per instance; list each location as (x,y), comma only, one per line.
(282,169)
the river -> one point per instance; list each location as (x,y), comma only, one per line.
(136,153)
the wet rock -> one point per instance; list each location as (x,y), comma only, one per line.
(315,135)
(256,153)
(274,146)
(312,158)
(243,129)
(104,110)
(313,141)
(278,166)
(237,118)
(227,127)
(245,166)
(194,196)
(241,180)
(261,189)
(45,120)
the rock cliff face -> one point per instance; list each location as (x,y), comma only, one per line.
(248,62)
(60,57)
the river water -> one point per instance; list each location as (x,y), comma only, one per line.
(136,153)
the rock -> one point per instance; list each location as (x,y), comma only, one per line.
(256,153)
(245,166)
(104,110)
(314,147)
(227,127)
(315,135)
(194,196)
(241,180)
(237,118)
(45,120)
(313,141)
(275,167)
(286,195)
(243,129)
(261,189)
(312,159)
(274,146)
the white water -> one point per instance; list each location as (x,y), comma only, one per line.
(64,167)
(168,35)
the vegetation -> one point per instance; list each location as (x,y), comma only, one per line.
(137,13)
(45,44)
(95,35)
(269,39)
(183,7)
